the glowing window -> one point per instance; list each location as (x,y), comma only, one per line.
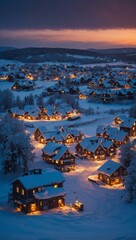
(17,189)
(23,192)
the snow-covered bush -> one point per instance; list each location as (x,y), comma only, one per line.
(128,159)
(130,182)
(15,146)
(127,153)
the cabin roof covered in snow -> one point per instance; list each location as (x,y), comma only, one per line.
(128,122)
(50,147)
(47,177)
(109,167)
(60,152)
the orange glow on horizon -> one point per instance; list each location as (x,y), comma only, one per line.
(113,37)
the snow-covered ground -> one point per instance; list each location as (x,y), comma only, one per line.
(106,216)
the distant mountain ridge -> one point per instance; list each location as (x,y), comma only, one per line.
(113,50)
(34,55)
(3,49)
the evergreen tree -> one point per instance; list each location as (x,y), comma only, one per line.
(130,182)
(15,146)
(127,153)
(40,101)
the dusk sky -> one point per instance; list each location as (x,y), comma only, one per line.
(68,23)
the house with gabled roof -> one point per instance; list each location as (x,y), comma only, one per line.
(39,131)
(121,138)
(58,155)
(23,85)
(129,126)
(112,172)
(38,191)
(110,147)
(32,112)
(46,137)
(82,146)
(101,131)
(90,149)
(68,138)
(95,151)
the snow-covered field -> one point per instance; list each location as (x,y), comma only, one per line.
(106,216)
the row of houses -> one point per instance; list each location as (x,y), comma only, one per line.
(107,95)
(63,135)
(50,112)
(23,85)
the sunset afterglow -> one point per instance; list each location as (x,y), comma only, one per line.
(98,38)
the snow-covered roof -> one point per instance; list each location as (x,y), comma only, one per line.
(47,177)
(50,192)
(107,143)
(100,129)
(121,135)
(93,146)
(14,109)
(128,122)
(60,152)
(50,147)
(109,167)
(42,129)
(48,135)
(85,143)
(32,108)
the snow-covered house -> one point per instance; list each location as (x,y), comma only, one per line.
(32,112)
(58,155)
(129,126)
(38,191)
(101,131)
(46,137)
(23,85)
(121,138)
(112,172)
(91,149)
(95,151)
(109,146)
(39,131)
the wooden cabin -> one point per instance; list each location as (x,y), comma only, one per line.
(129,126)
(39,131)
(82,146)
(110,147)
(58,155)
(101,131)
(23,85)
(38,191)
(95,151)
(112,172)
(90,150)
(121,138)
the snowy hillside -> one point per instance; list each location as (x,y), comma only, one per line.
(105,217)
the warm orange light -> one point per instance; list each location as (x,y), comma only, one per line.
(116,37)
